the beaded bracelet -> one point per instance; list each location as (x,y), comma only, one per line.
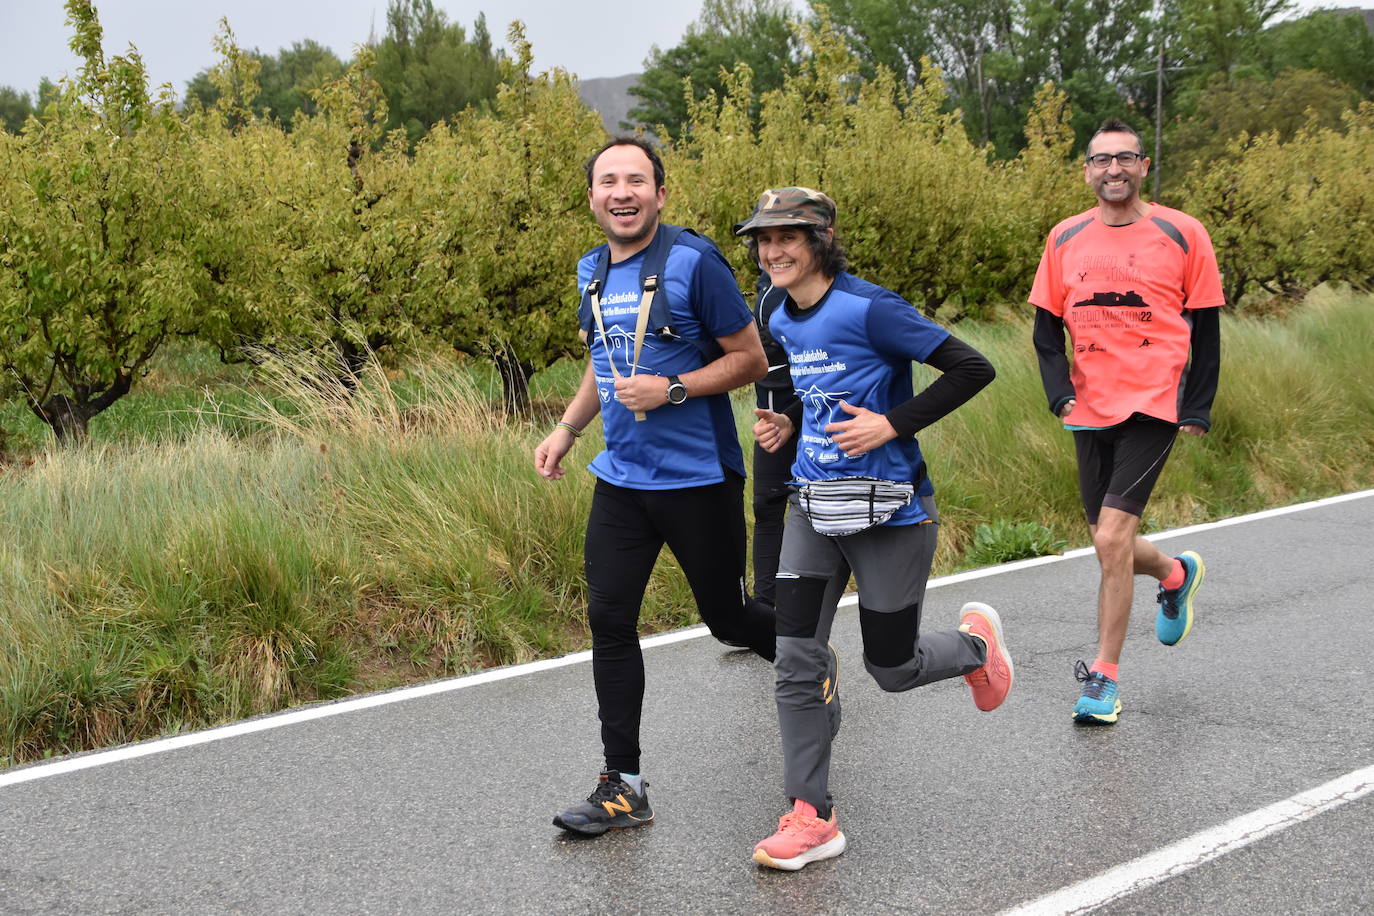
(577,433)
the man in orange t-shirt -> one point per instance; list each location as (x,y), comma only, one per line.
(1137,286)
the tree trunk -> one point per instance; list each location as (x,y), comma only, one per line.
(515,383)
(352,360)
(68,420)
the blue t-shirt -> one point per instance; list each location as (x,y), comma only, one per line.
(856,345)
(676,445)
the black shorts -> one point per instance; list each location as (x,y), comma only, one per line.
(1118,466)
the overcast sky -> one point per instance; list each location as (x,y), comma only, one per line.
(591,38)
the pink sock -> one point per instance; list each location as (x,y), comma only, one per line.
(1106,668)
(1175,579)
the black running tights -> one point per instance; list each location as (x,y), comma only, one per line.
(704,528)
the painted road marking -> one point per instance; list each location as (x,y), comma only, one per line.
(1200,848)
(326,710)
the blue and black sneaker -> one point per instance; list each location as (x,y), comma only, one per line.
(613,804)
(1175,617)
(1098,704)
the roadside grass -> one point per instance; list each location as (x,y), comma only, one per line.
(279,544)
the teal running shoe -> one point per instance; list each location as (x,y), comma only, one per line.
(1098,704)
(1175,617)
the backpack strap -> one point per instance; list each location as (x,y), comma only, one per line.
(654,312)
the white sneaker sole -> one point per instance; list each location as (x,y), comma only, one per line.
(827,850)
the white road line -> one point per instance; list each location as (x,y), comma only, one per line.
(325,710)
(1200,848)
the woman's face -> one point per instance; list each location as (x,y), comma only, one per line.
(785,255)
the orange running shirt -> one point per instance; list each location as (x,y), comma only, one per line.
(1122,292)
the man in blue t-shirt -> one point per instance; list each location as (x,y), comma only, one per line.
(672,471)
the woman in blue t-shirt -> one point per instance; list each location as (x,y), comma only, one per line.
(862,502)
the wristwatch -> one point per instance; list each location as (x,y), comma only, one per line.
(677,392)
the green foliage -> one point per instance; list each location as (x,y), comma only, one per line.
(286,80)
(428,68)
(1219,36)
(507,217)
(395,532)
(1269,213)
(321,235)
(1228,107)
(921,209)
(880,33)
(759,34)
(15,109)
(1004,541)
(95,215)
(1338,44)
(996,56)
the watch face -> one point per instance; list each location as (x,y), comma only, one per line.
(677,393)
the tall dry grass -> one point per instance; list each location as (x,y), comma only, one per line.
(397,532)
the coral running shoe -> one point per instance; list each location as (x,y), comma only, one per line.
(992,682)
(1175,617)
(802,838)
(1098,704)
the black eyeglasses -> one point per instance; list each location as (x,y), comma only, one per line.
(1126,159)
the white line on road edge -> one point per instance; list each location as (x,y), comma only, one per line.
(325,710)
(1189,853)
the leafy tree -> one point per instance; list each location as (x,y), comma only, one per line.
(883,33)
(1260,215)
(1257,105)
(1092,50)
(346,224)
(1287,215)
(996,55)
(15,109)
(1344,251)
(285,80)
(240,158)
(428,68)
(757,33)
(312,238)
(508,214)
(1337,44)
(94,271)
(922,211)
(1219,36)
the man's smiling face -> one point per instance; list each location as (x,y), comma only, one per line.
(623,196)
(1115,183)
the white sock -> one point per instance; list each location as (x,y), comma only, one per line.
(634,781)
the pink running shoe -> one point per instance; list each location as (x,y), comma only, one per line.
(802,838)
(992,682)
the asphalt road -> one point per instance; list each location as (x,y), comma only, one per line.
(442,803)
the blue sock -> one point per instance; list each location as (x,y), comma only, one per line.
(634,781)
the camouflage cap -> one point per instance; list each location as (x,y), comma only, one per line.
(789,207)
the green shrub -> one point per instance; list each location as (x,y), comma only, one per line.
(1003,541)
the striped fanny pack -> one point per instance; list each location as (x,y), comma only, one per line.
(846,505)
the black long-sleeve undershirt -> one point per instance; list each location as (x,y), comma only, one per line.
(964,373)
(1200,382)
(1048,336)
